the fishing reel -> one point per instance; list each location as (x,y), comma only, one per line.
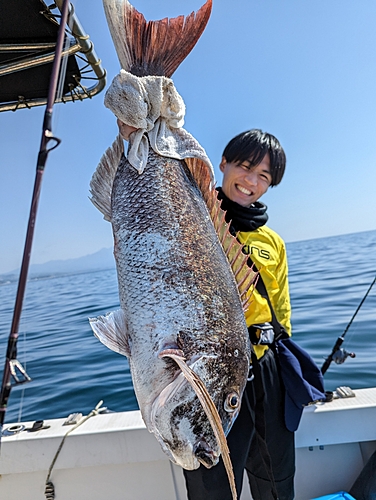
(338,355)
(341,355)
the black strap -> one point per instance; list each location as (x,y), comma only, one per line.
(279,330)
(258,414)
(258,417)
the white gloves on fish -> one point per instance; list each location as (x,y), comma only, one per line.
(153,106)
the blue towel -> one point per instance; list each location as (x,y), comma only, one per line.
(336,496)
(302,379)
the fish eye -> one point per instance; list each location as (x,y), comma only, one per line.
(232,402)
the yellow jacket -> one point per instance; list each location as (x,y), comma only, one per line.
(267,250)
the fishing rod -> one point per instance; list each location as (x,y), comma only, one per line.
(339,355)
(13,368)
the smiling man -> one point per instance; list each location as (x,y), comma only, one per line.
(251,163)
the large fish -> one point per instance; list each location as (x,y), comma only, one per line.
(182,276)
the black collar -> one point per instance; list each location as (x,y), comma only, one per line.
(243,218)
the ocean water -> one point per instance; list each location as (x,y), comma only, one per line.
(72,370)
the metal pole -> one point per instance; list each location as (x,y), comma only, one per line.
(11,363)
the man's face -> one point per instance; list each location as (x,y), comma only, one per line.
(244,184)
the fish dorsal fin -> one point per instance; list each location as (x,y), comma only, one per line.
(245,276)
(103,178)
(153,47)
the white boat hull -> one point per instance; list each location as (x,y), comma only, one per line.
(114,456)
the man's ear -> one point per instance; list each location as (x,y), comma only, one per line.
(222,165)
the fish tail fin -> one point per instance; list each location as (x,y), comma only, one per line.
(153,47)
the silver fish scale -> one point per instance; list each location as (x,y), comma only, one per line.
(165,243)
(176,286)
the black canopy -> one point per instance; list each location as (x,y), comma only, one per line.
(28,32)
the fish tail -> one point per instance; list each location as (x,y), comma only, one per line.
(153,47)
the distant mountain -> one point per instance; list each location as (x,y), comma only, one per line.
(103,259)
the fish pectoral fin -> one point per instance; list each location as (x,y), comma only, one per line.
(175,352)
(213,416)
(111,330)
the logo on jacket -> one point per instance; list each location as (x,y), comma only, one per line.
(251,250)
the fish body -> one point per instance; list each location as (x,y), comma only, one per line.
(182,276)
(177,293)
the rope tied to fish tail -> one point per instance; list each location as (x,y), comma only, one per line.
(213,417)
(49,491)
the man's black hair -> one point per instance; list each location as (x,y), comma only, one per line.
(251,146)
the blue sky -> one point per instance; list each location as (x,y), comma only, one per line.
(304,70)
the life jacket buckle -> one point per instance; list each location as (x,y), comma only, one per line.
(261,334)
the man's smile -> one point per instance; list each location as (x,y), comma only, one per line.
(244,190)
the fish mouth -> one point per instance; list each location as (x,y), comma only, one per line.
(205,455)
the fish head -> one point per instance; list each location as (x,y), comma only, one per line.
(179,419)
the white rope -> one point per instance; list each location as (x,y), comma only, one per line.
(50,488)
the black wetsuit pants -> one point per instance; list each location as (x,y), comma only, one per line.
(213,484)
